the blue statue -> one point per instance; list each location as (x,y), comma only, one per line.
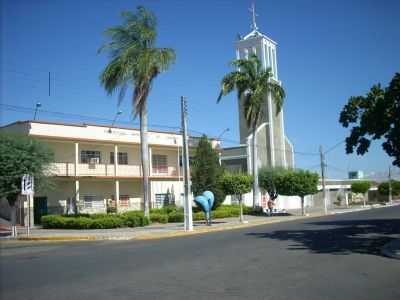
(206,202)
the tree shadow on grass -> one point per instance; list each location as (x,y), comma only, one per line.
(340,237)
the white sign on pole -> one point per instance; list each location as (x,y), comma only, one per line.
(27,185)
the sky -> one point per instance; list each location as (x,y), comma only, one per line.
(327,52)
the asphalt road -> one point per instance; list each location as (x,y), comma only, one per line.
(335,257)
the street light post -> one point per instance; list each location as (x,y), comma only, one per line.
(222,133)
(115,119)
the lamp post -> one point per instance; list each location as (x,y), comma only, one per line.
(115,119)
(223,132)
(38,105)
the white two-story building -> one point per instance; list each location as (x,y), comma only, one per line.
(87,175)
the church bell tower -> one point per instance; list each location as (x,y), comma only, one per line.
(273,147)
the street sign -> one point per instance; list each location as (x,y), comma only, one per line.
(27,185)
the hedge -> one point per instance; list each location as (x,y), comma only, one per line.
(159,218)
(135,218)
(98,221)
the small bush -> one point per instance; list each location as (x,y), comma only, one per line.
(159,218)
(199,216)
(134,219)
(175,217)
(108,222)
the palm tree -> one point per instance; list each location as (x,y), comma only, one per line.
(135,62)
(252,83)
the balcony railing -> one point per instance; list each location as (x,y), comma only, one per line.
(68,169)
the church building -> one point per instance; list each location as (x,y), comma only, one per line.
(273,147)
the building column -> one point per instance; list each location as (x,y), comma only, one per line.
(117,195)
(77,193)
(116,174)
(264,59)
(76,158)
(150,161)
(115,160)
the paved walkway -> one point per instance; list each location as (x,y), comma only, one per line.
(152,231)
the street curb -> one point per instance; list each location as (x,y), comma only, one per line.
(181,233)
(373,206)
(57,238)
(392,249)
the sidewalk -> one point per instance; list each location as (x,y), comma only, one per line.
(156,231)
(153,231)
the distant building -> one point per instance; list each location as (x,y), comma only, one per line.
(356,174)
(98,167)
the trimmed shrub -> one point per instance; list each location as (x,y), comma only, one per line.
(175,217)
(159,218)
(108,222)
(135,218)
(199,216)
(96,221)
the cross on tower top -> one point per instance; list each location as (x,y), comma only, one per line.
(254,15)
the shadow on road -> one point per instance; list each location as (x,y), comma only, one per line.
(340,237)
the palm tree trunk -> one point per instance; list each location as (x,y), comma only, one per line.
(144,151)
(255,171)
(303,211)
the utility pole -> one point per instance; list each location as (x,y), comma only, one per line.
(390,186)
(322,156)
(186,174)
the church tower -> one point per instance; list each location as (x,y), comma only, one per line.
(273,147)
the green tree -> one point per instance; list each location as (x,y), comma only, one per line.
(237,184)
(383,188)
(21,155)
(266,179)
(206,172)
(374,116)
(361,187)
(253,83)
(135,61)
(291,183)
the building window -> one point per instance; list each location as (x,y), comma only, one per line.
(88,156)
(124,201)
(164,200)
(122,158)
(159,163)
(89,201)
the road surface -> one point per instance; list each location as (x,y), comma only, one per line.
(334,257)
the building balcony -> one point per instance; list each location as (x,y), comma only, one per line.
(105,170)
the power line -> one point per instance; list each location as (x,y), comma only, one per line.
(334,146)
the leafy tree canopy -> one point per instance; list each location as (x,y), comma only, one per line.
(206,171)
(236,184)
(383,188)
(374,116)
(266,178)
(289,182)
(18,156)
(360,187)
